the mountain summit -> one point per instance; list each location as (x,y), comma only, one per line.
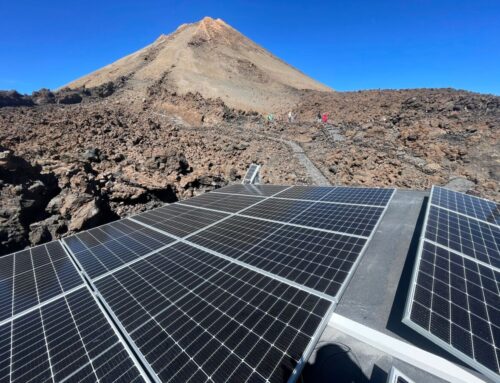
(211,58)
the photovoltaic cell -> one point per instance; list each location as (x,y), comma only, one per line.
(468,236)
(196,317)
(312,193)
(178,219)
(33,276)
(282,210)
(455,295)
(110,246)
(458,301)
(312,258)
(223,202)
(259,190)
(469,205)
(361,196)
(68,339)
(350,219)
(250,174)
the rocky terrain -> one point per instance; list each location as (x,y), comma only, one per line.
(122,141)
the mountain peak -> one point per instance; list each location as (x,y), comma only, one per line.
(211,58)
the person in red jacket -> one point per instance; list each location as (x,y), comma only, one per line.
(324,118)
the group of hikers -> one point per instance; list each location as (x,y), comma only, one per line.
(291,117)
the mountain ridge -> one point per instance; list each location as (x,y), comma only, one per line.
(213,59)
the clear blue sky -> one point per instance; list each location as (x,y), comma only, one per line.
(348,45)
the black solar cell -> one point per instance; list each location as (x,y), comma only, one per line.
(257,190)
(223,202)
(312,193)
(179,220)
(282,210)
(361,196)
(194,316)
(33,276)
(99,252)
(312,258)
(468,236)
(349,219)
(458,301)
(474,207)
(66,339)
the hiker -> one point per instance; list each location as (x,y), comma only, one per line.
(290,116)
(319,117)
(324,118)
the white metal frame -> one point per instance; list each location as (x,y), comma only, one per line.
(252,177)
(394,374)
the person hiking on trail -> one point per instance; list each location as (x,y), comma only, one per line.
(290,116)
(324,118)
(319,116)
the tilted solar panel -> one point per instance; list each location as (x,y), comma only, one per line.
(68,339)
(471,206)
(360,196)
(107,247)
(223,202)
(250,174)
(197,316)
(262,190)
(33,276)
(455,293)
(178,219)
(311,193)
(314,259)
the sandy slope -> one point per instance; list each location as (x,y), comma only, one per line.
(212,58)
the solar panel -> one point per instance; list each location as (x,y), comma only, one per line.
(315,259)
(455,293)
(312,193)
(178,219)
(68,339)
(350,219)
(282,210)
(468,205)
(262,190)
(224,202)
(468,236)
(251,174)
(198,317)
(360,196)
(110,246)
(33,276)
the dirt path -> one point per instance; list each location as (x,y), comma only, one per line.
(314,173)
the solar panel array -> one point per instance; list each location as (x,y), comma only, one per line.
(455,294)
(214,289)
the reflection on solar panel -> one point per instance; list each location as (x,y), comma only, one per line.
(107,247)
(455,295)
(199,317)
(468,205)
(360,196)
(192,291)
(66,339)
(31,277)
(251,174)
(224,202)
(350,219)
(312,193)
(262,190)
(179,220)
